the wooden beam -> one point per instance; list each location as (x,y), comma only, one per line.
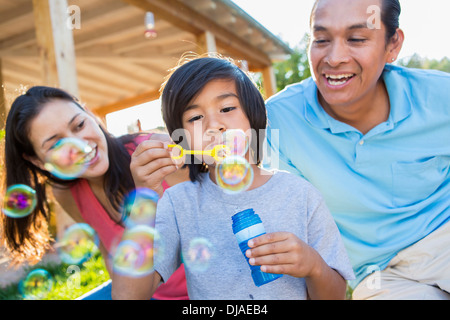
(17,41)
(186,18)
(3,111)
(16,14)
(109,77)
(107,32)
(146,75)
(55,43)
(206,43)
(132,44)
(57,53)
(127,103)
(269,81)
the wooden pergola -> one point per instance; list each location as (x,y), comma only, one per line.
(97,51)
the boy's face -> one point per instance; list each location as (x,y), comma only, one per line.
(213,111)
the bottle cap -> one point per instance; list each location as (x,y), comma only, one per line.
(244,219)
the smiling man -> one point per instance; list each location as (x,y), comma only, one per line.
(374,139)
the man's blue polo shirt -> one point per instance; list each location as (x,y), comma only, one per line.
(386,189)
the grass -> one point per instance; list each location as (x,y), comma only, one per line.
(69,281)
(72,281)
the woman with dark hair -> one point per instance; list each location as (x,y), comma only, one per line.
(39,119)
(373,138)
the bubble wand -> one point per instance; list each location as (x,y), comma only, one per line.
(219,152)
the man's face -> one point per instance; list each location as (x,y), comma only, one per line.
(347,54)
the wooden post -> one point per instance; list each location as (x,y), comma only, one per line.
(56,45)
(206,43)
(269,81)
(3,111)
(57,54)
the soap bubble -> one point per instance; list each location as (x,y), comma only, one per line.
(197,256)
(69,158)
(78,244)
(234,174)
(237,142)
(140,207)
(137,252)
(19,201)
(36,285)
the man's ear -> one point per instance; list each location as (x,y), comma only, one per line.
(34,160)
(395,45)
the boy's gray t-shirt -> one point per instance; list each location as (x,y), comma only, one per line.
(190,211)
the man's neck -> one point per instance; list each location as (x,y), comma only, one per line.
(364,114)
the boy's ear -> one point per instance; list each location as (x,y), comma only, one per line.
(34,160)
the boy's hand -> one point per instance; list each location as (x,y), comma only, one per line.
(283,253)
(151,162)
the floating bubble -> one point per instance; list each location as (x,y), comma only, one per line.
(234,174)
(69,158)
(237,141)
(36,285)
(20,200)
(137,252)
(128,257)
(79,243)
(140,207)
(198,255)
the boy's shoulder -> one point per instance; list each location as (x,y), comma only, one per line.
(291,182)
(182,189)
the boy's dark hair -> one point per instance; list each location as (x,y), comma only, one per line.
(189,78)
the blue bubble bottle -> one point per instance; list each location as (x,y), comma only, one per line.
(248,225)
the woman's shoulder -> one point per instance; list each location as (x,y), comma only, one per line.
(61,191)
(64,197)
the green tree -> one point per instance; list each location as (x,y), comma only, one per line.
(296,68)
(418,62)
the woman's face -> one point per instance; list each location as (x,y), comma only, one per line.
(64,119)
(347,55)
(213,111)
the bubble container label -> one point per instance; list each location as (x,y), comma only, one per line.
(248,225)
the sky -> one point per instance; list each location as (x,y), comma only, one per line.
(425,24)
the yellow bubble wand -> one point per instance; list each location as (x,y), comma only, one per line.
(219,152)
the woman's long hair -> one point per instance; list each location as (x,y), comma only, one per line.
(27,238)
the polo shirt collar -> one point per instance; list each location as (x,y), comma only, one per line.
(399,91)
(399,97)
